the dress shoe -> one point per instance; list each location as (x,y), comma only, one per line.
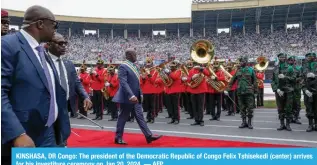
(113,119)
(176,122)
(202,123)
(120,141)
(152,138)
(97,118)
(196,123)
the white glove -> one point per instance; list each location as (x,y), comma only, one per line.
(213,77)
(226,93)
(280,93)
(184,78)
(195,76)
(167,71)
(308,93)
(310,75)
(107,84)
(281,76)
(94,72)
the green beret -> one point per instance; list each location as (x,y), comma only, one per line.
(292,58)
(282,54)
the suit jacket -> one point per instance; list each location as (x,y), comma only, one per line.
(74,85)
(25,97)
(127,90)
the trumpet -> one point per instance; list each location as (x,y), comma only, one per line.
(217,85)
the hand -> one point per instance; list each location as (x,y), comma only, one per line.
(134,99)
(195,76)
(87,104)
(184,78)
(167,71)
(226,93)
(23,141)
(107,84)
(310,75)
(280,93)
(281,76)
(94,72)
(308,93)
(213,77)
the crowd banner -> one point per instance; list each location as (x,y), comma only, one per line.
(164,156)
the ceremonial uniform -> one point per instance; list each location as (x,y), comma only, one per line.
(97,83)
(310,91)
(173,96)
(112,86)
(215,98)
(283,82)
(147,85)
(297,92)
(260,96)
(85,79)
(247,88)
(158,95)
(198,94)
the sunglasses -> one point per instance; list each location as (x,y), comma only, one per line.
(55,23)
(61,43)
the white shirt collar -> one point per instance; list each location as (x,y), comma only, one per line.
(31,40)
(54,58)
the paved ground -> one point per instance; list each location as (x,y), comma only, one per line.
(265,124)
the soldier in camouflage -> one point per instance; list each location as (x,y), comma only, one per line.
(246,91)
(283,82)
(297,90)
(310,90)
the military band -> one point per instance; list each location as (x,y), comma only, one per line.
(206,87)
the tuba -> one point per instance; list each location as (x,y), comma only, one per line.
(201,51)
(262,64)
(217,85)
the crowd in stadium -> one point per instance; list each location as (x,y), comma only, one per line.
(269,44)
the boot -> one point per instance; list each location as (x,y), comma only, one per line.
(288,127)
(250,123)
(282,126)
(244,123)
(310,125)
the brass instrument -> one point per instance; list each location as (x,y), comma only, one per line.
(228,76)
(165,78)
(262,64)
(217,85)
(104,90)
(202,52)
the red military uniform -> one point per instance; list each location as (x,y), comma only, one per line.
(198,96)
(114,84)
(148,90)
(260,97)
(158,91)
(85,81)
(98,79)
(173,94)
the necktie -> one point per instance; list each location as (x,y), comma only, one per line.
(51,117)
(62,77)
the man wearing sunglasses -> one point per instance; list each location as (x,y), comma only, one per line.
(5,21)
(67,75)
(33,103)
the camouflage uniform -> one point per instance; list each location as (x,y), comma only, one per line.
(247,88)
(310,86)
(284,91)
(297,91)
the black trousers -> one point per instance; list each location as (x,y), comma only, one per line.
(216,102)
(208,103)
(223,102)
(188,104)
(112,108)
(148,106)
(98,103)
(81,106)
(260,96)
(165,102)
(198,104)
(158,103)
(173,105)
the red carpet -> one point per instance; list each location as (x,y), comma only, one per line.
(96,138)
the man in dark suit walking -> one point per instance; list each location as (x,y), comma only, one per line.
(33,104)
(67,75)
(130,98)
